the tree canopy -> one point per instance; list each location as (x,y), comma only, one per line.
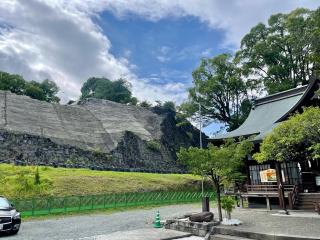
(221,91)
(103,88)
(222,164)
(294,139)
(44,91)
(273,57)
(145,104)
(284,53)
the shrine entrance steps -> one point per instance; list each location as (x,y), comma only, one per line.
(306,201)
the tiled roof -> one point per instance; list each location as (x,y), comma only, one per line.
(266,112)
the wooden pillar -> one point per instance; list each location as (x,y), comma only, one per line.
(282,202)
(247,166)
(205,204)
(268,202)
(290,200)
(241,201)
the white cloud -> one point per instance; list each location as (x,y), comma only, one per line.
(234,17)
(58,39)
(175,87)
(207,52)
(163,54)
(163,59)
(49,41)
(127,53)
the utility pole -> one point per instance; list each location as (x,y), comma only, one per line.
(200,144)
(205,200)
(200,127)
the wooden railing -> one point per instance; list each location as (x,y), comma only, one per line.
(268,188)
(293,197)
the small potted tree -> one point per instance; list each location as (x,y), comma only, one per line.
(228,204)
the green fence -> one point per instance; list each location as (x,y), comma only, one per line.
(52,205)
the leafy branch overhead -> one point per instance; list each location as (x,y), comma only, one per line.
(294,139)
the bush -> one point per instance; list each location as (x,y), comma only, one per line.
(37,177)
(190,135)
(228,204)
(154,145)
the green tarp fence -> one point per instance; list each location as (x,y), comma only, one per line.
(53,205)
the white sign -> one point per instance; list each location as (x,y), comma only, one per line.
(268,175)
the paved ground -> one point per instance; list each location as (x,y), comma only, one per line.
(88,226)
(145,234)
(136,222)
(261,221)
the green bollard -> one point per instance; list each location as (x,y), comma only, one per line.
(157,223)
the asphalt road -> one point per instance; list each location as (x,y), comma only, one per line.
(88,226)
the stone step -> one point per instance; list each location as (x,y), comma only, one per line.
(309,196)
(227,237)
(305,204)
(306,201)
(309,199)
(302,207)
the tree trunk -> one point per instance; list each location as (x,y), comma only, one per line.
(217,185)
(229,215)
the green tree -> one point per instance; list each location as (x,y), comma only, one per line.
(134,101)
(33,89)
(221,91)
(43,91)
(103,88)
(170,106)
(284,53)
(50,90)
(295,139)
(12,82)
(145,104)
(221,164)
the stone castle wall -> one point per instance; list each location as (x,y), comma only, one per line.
(94,133)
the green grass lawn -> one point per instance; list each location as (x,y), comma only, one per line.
(67,182)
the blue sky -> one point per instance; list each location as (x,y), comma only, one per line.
(153,44)
(166,51)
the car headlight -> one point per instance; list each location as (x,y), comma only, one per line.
(17,216)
